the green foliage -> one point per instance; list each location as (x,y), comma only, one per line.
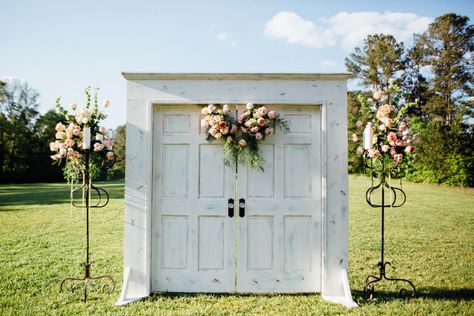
(430,240)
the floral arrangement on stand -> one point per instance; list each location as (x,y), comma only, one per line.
(388,142)
(241,137)
(80,131)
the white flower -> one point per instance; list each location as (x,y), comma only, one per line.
(218,135)
(102,129)
(84,120)
(249,106)
(225,107)
(204,111)
(73,106)
(106,103)
(99,137)
(204,123)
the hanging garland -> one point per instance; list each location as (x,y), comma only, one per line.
(241,137)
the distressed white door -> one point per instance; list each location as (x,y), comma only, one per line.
(192,236)
(279,244)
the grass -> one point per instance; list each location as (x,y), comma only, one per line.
(430,241)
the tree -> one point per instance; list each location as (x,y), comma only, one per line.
(447,49)
(119,149)
(18,109)
(378,62)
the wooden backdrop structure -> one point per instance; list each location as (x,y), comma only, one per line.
(293,236)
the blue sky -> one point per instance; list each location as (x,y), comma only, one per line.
(60,47)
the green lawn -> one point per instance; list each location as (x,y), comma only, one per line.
(430,241)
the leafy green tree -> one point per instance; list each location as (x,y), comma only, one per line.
(447,50)
(18,109)
(378,61)
(119,150)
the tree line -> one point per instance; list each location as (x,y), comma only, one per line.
(436,71)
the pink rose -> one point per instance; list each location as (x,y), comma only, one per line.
(254,129)
(98,146)
(398,158)
(272,115)
(258,136)
(224,131)
(409,149)
(213,131)
(402,126)
(223,124)
(385,148)
(68,142)
(355,138)
(392,137)
(76,131)
(378,95)
(382,127)
(263,110)
(54,157)
(261,121)
(269,131)
(233,128)
(242,143)
(373,153)
(110,155)
(387,121)
(399,143)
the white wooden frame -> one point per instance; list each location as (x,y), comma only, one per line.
(148,89)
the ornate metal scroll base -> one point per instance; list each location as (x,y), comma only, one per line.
(87,278)
(369,288)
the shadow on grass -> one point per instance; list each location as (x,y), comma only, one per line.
(464,294)
(49,193)
(171,295)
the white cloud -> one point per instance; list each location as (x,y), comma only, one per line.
(221,36)
(290,26)
(346,29)
(329,63)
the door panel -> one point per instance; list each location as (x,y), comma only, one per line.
(279,244)
(192,237)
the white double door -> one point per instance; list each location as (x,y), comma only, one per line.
(272,243)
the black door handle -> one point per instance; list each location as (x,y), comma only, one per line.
(230,207)
(241,207)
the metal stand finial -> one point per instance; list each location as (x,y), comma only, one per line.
(87,265)
(398,199)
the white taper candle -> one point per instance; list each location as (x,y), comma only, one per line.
(86,138)
(368,136)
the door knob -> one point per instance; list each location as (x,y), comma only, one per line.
(241,207)
(230,207)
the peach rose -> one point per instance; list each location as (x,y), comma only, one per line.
(378,95)
(233,128)
(272,115)
(261,121)
(60,127)
(258,136)
(110,155)
(242,143)
(409,149)
(269,131)
(263,110)
(68,142)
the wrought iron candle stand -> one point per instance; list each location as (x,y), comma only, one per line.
(398,198)
(87,187)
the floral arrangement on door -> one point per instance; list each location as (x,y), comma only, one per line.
(241,137)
